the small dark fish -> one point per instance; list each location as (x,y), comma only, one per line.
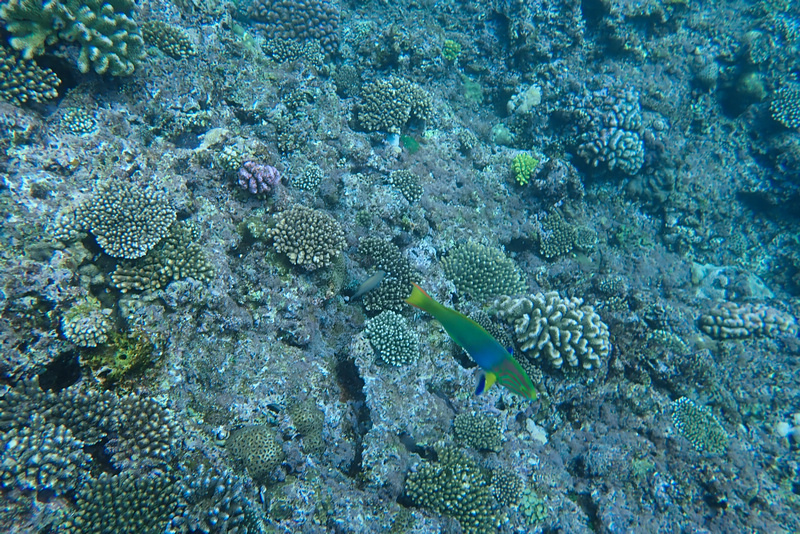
(369,284)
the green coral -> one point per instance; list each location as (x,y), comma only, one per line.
(455,486)
(506,487)
(171,40)
(257,448)
(392,339)
(109,39)
(699,426)
(523,166)
(479,431)
(126,353)
(407,183)
(128,503)
(482,271)
(387,105)
(23,81)
(532,507)
(785,107)
(451,50)
(396,285)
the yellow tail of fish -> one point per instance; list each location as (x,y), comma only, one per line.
(421,300)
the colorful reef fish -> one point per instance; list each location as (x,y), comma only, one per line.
(497,363)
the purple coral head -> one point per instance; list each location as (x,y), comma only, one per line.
(257,178)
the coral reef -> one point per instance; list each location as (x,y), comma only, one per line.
(125,503)
(126,219)
(171,40)
(109,37)
(77,121)
(730,320)
(87,323)
(257,178)
(310,179)
(785,107)
(217,502)
(506,487)
(455,486)
(561,329)
(523,166)
(178,256)
(611,133)
(41,457)
(388,104)
(557,237)
(257,448)
(392,339)
(699,426)
(309,421)
(396,285)
(479,431)
(22,80)
(407,183)
(300,20)
(482,272)
(177,311)
(309,238)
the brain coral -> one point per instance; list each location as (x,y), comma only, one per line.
(309,238)
(561,329)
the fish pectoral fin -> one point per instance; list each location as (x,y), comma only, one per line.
(485,381)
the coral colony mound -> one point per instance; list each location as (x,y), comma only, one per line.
(308,266)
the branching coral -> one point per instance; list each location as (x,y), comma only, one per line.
(561,329)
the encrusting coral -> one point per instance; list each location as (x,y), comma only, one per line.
(257,448)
